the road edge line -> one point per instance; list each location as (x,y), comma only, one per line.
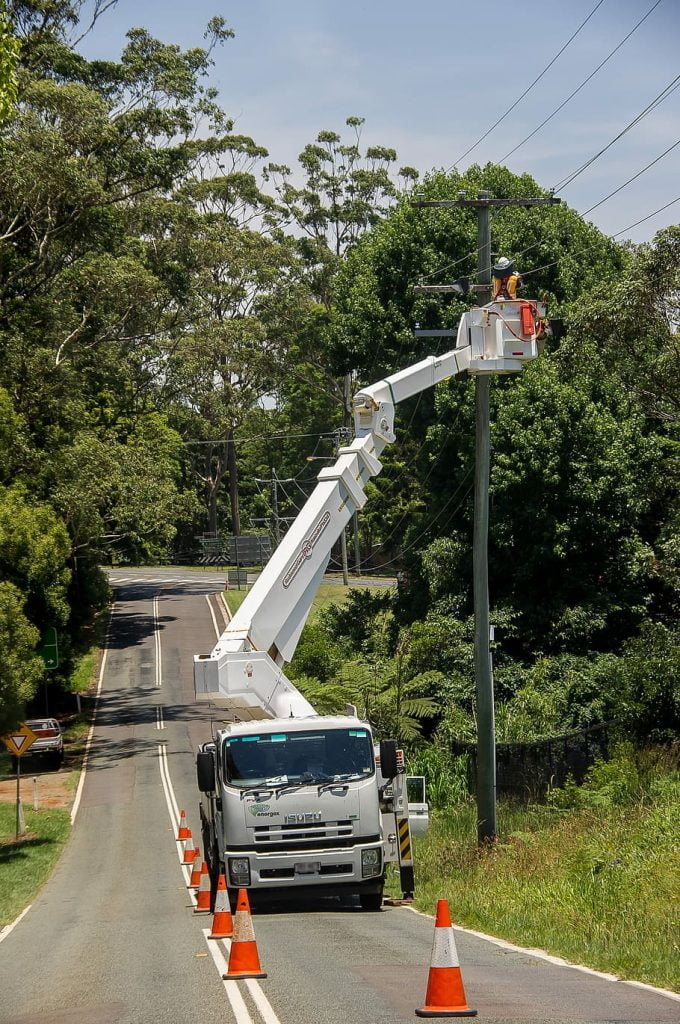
(4,932)
(212,616)
(86,755)
(541,954)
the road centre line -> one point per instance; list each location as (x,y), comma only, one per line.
(160,724)
(157,642)
(231,988)
(241,1012)
(238,1005)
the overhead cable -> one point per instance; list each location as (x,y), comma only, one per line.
(630,227)
(663,95)
(635,176)
(579,87)
(529,87)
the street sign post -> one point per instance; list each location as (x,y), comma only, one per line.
(49,649)
(49,652)
(17,743)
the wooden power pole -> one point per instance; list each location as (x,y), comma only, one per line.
(486,737)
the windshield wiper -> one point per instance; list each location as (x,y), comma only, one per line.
(337,783)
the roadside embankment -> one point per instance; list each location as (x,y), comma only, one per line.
(596,880)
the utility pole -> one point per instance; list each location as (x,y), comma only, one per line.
(275,508)
(486,736)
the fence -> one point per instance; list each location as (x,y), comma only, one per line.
(527,770)
(247,549)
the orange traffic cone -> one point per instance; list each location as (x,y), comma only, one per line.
(244,961)
(189,850)
(222,924)
(445,994)
(204,893)
(196,868)
(184,832)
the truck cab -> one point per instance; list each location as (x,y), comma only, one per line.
(294,802)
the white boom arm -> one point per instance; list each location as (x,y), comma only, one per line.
(245,669)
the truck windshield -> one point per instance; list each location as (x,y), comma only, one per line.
(290,758)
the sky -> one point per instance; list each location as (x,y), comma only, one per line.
(431,77)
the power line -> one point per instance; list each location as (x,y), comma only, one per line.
(579,87)
(663,95)
(529,88)
(420,536)
(635,176)
(630,227)
(259,437)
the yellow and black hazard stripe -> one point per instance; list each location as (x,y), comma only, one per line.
(405,858)
(405,853)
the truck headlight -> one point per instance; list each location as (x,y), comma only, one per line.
(239,871)
(370,863)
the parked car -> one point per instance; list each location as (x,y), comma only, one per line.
(50,741)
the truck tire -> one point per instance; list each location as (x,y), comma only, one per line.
(371,901)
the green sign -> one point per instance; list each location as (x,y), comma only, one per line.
(49,649)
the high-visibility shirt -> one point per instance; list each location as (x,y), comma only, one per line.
(505,287)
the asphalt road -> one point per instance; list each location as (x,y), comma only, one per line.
(113,937)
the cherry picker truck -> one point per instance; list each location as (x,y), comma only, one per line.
(291,800)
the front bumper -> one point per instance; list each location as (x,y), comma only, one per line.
(338,869)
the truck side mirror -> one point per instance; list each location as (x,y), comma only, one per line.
(205,771)
(388,759)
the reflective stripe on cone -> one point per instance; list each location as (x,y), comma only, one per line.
(222,924)
(204,892)
(244,961)
(184,832)
(195,877)
(445,993)
(189,850)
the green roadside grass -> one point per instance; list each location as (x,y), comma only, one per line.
(597,886)
(26,865)
(328,593)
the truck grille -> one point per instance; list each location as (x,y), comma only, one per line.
(328,835)
(326,869)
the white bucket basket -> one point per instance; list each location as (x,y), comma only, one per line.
(498,337)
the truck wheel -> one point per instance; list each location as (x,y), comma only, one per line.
(371,901)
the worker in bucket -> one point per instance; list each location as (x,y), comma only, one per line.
(505,280)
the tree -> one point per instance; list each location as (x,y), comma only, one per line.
(9,54)
(20,668)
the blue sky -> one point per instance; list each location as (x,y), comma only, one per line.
(431,77)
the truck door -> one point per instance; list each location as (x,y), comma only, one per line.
(418,810)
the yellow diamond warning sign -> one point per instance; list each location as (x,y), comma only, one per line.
(20,740)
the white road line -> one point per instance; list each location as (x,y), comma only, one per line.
(224,609)
(169,797)
(4,932)
(212,615)
(160,723)
(86,755)
(157,642)
(241,1012)
(175,808)
(540,954)
(238,1005)
(261,1001)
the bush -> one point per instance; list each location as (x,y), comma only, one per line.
(447,778)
